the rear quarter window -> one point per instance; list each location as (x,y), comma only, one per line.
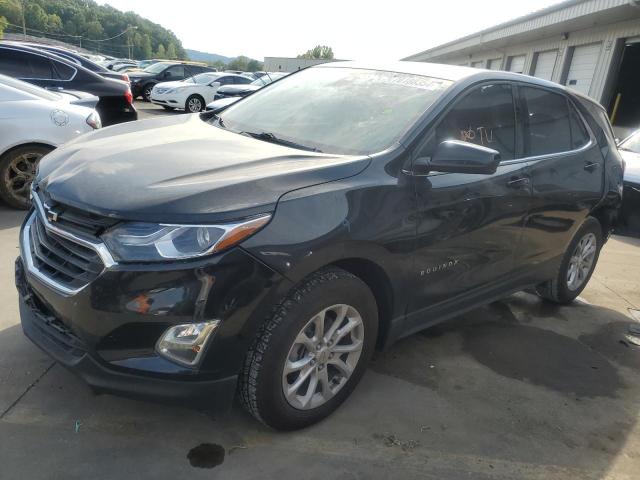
(547,126)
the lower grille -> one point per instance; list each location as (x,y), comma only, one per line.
(61,260)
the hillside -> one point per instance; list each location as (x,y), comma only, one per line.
(87,24)
(198,56)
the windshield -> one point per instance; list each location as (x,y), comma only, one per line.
(29,88)
(632,144)
(202,78)
(335,110)
(156,68)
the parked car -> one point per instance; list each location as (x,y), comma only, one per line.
(77,58)
(270,248)
(219,105)
(244,89)
(630,214)
(143,82)
(34,121)
(193,93)
(50,71)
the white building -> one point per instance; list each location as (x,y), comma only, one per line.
(592,46)
(286,64)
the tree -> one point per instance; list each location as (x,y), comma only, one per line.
(318,52)
(239,63)
(3,25)
(145,47)
(171,51)
(254,66)
(161,53)
(94,30)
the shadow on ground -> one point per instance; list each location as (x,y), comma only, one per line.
(517,389)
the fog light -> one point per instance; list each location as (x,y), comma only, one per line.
(185,343)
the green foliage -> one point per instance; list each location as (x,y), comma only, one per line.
(3,24)
(161,52)
(243,63)
(318,52)
(66,19)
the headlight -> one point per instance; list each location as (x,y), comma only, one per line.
(185,343)
(150,242)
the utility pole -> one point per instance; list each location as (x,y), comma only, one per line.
(24,24)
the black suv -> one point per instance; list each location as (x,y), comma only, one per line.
(143,82)
(53,72)
(267,250)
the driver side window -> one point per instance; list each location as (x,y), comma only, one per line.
(486,117)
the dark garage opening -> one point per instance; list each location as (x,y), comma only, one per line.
(627,113)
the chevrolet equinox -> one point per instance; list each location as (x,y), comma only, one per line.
(266,250)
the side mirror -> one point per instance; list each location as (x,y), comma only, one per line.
(455,156)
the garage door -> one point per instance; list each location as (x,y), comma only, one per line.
(516,64)
(545,63)
(583,66)
(494,63)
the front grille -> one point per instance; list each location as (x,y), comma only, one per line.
(61,260)
(74,220)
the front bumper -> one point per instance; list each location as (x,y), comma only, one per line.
(106,332)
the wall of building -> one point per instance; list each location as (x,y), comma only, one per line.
(606,36)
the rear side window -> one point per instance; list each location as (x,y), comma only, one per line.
(547,126)
(64,72)
(243,80)
(484,117)
(579,134)
(24,65)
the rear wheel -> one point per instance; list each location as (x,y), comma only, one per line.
(311,354)
(194,104)
(577,265)
(17,171)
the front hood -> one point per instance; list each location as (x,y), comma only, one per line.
(180,169)
(174,84)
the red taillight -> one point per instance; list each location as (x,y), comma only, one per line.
(128,96)
(125,77)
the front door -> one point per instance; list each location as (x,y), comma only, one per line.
(469,226)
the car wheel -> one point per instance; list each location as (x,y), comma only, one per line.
(146,92)
(194,104)
(309,356)
(578,263)
(17,171)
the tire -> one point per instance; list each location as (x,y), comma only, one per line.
(17,170)
(263,380)
(194,104)
(146,92)
(561,289)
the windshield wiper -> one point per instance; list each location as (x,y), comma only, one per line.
(270,137)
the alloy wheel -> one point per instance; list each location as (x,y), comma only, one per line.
(194,105)
(323,357)
(19,175)
(581,261)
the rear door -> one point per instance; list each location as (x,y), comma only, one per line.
(469,225)
(567,172)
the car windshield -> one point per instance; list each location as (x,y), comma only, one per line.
(632,144)
(156,67)
(202,78)
(334,109)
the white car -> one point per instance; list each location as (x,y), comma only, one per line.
(193,93)
(34,121)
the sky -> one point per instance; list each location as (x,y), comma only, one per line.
(355,29)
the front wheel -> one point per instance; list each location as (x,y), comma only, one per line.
(146,92)
(17,171)
(311,354)
(577,265)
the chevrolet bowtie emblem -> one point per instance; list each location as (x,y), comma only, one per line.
(52,215)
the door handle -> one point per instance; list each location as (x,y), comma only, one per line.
(590,166)
(518,182)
